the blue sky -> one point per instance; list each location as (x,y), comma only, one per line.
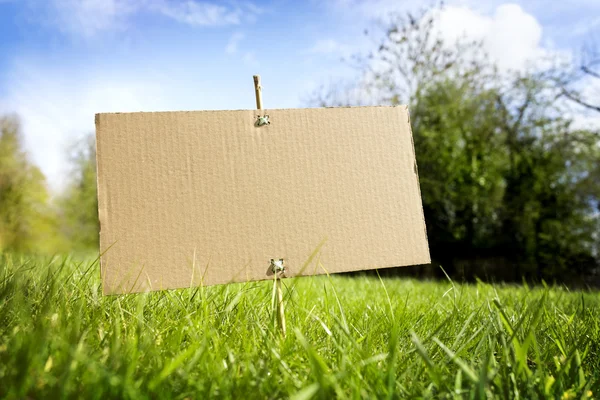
(62,61)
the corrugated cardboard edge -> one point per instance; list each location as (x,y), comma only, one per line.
(412,141)
(100,204)
(262,111)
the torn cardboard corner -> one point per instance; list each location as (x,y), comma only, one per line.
(210,197)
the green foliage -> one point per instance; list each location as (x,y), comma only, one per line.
(508,177)
(461,161)
(550,203)
(348,338)
(505,177)
(27,221)
(79,201)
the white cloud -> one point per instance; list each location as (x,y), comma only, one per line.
(250,60)
(586,27)
(84,17)
(233,43)
(56,108)
(199,13)
(510,36)
(372,9)
(330,46)
(88,18)
(248,57)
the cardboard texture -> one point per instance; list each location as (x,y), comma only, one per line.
(207,197)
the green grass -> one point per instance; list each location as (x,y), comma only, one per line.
(347,338)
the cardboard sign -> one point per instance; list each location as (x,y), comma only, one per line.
(209,197)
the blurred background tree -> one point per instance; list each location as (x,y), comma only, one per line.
(575,80)
(510,185)
(510,188)
(78,203)
(27,220)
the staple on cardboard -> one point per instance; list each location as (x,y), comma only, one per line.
(277,266)
(263,120)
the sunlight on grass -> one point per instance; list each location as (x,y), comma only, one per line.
(60,337)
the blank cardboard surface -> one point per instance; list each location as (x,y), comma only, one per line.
(207,197)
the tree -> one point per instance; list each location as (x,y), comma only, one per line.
(548,216)
(585,73)
(504,175)
(27,222)
(79,202)
(461,163)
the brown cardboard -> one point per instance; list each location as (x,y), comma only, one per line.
(207,197)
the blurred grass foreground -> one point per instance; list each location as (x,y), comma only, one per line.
(359,337)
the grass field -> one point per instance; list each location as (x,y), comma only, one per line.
(347,338)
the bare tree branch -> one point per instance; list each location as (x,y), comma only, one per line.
(588,71)
(577,100)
